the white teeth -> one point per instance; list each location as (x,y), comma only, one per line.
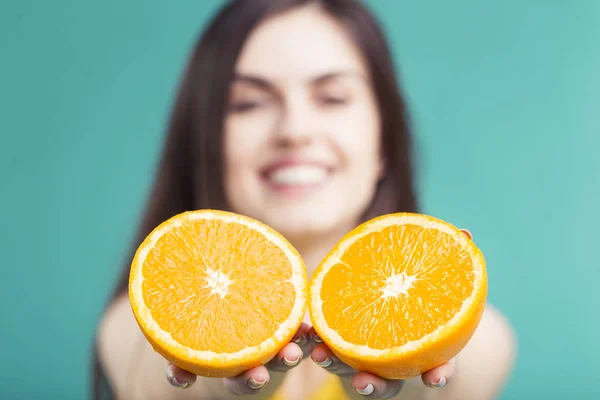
(298,175)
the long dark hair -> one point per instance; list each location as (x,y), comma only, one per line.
(190,172)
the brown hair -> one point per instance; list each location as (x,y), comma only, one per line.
(190,172)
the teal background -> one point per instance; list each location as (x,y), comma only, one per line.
(505,101)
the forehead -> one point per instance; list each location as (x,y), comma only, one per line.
(299,44)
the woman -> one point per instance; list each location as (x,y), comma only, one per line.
(289,112)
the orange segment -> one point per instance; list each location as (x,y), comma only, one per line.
(217,293)
(399,295)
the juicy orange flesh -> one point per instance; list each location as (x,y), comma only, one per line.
(250,275)
(356,305)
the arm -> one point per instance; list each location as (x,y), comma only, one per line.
(485,364)
(132,367)
(135,371)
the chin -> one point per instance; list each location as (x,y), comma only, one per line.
(297,224)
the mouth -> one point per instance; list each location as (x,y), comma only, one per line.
(294,177)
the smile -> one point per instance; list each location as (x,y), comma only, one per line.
(297,176)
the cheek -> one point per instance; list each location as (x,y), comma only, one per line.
(238,155)
(360,142)
(244,140)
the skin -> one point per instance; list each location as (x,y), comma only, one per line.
(289,109)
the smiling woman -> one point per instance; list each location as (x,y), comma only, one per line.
(289,112)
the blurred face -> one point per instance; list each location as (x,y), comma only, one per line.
(302,140)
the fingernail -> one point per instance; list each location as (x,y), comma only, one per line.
(440,384)
(323,364)
(172,379)
(256,385)
(177,383)
(291,363)
(317,339)
(299,340)
(366,391)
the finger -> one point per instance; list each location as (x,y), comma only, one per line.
(439,377)
(250,382)
(314,336)
(324,358)
(293,353)
(303,339)
(289,357)
(468,233)
(303,331)
(374,387)
(178,377)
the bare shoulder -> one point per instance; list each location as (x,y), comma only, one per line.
(131,366)
(485,364)
(118,337)
(494,336)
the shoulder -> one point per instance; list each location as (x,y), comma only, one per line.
(133,369)
(131,366)
(496,335)
(117,339)
(486,362)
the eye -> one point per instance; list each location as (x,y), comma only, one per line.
(239,107)
(333,100)
(333,97)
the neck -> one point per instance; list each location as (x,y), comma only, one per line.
(314,248)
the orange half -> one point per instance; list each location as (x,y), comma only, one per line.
(399,295)
(217,293)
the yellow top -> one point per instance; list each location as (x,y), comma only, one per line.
(330,390)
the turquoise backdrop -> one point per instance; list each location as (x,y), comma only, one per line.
(505,100)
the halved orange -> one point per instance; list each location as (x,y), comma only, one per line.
(217,293)
(399,295)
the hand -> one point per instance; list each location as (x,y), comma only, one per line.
(372,385)
(306,342)
(255,379)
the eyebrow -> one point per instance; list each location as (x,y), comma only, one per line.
(320,79)
(254,81)
(335,75)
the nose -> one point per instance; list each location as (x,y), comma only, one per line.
(297,124)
